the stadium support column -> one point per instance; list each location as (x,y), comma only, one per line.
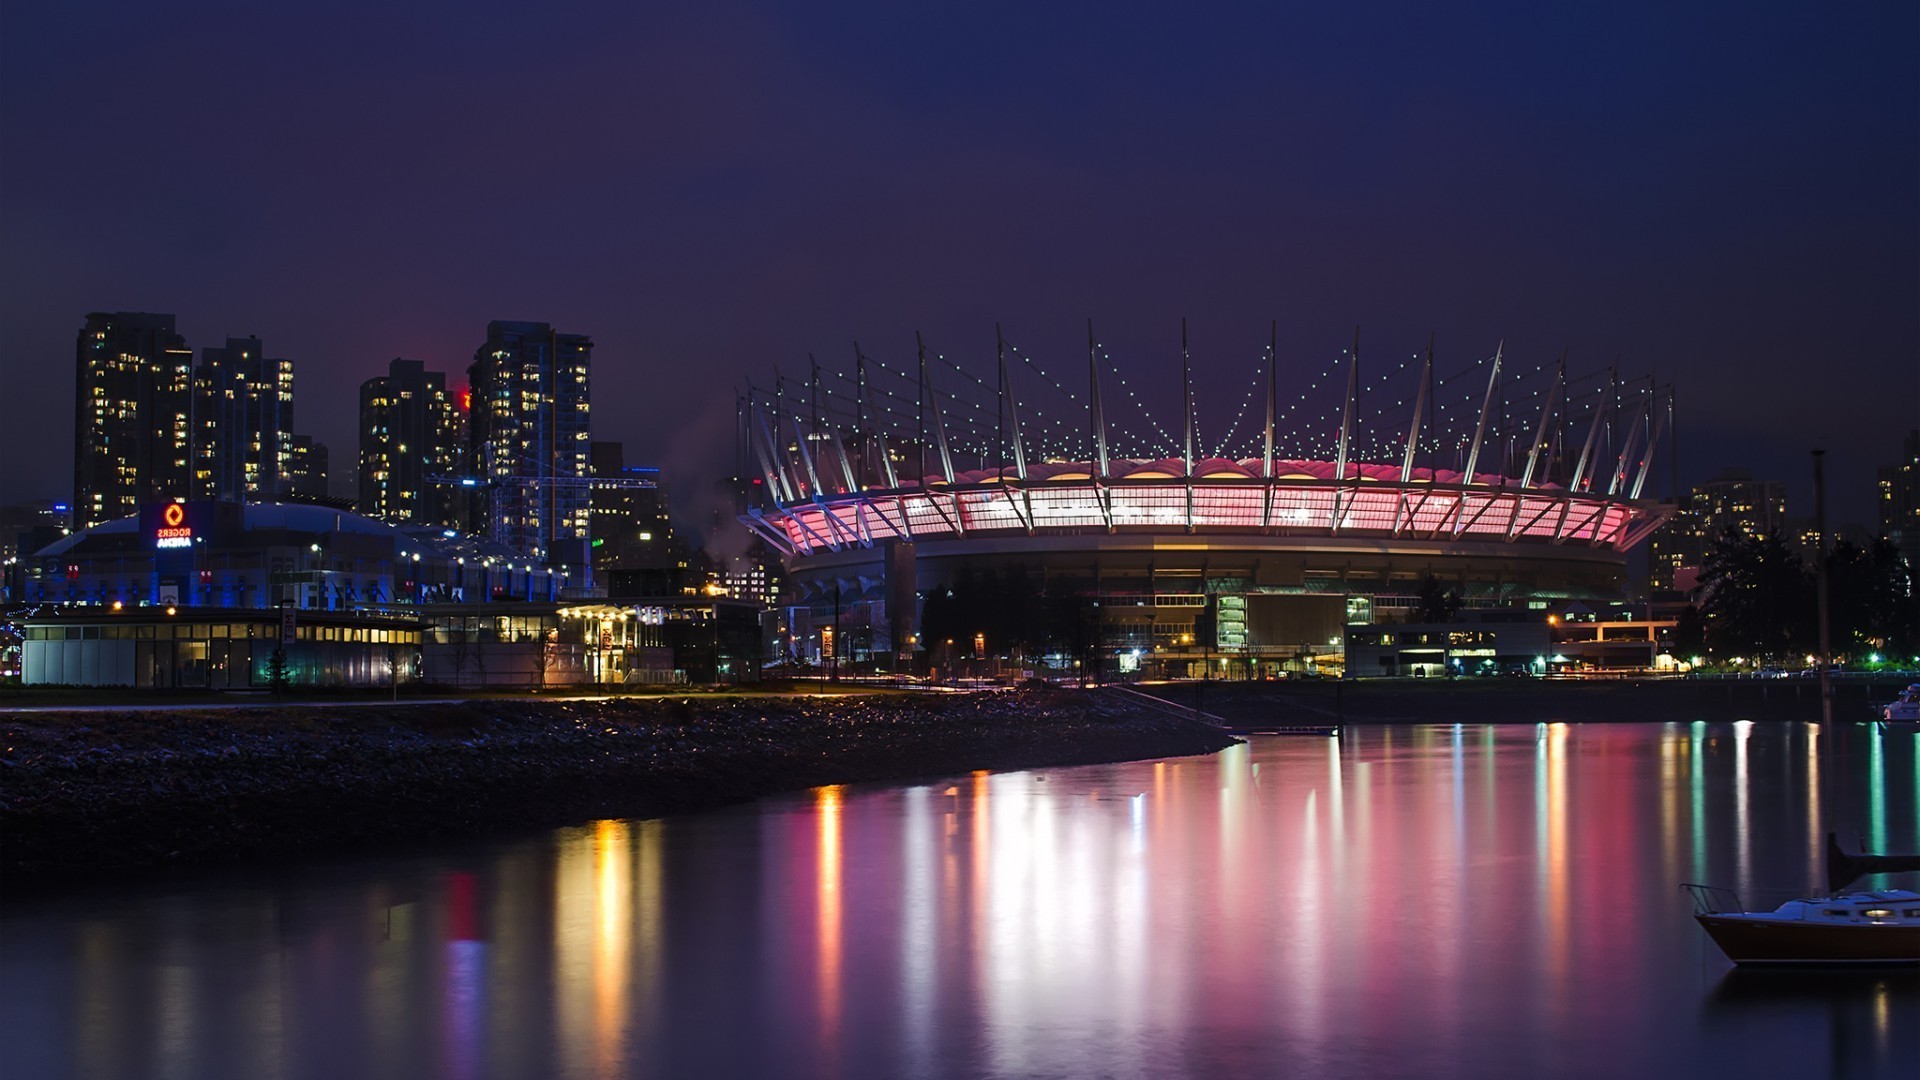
(1346,429)
(1096,416)
(1539,441)
(1413,442)
(920,415)
(1273,400)
(1656,428)
(1010,404)
(932,399)
(1486,410)
(765,447)
(1593,435)
(860,468)
(901,596)
(1618,480)
(806,458)
(1186,391)
(1479,434)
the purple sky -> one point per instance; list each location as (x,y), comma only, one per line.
(1727,196)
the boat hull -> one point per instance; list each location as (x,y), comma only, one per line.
(1757,942)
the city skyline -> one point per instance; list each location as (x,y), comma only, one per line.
(755,183)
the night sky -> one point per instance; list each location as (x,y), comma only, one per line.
(1728,196)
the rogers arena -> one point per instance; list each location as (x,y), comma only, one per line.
(1251,564)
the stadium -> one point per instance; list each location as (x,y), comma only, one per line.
(929,514)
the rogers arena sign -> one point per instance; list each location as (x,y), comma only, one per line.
(174,532)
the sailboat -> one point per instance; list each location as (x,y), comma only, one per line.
(1877,927)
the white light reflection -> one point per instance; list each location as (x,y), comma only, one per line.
(1336,802)
(96,994)
(1742,810)
(1307,948)
(1459,792)
(1669,799)
(1559,887)
(919,943)
(1814,856)
(1697,783)
(1876,788)
(827,875)
(174,1014)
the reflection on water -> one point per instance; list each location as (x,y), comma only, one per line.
(1418,901)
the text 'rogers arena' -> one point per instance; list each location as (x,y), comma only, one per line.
(915,520)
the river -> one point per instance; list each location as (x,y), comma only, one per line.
(1430,901)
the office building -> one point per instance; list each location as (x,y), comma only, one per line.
(528,439)
(412,447)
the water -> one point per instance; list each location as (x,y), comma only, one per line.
(1412,901)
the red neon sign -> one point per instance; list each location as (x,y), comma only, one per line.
(173,531)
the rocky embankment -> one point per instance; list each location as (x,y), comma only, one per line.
(104,793)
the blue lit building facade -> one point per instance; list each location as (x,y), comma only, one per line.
(260,555)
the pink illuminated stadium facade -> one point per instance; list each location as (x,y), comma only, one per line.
(1223,497)
(873,510)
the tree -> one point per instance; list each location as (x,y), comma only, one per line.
(1434,602)
(1690,634)
(543,656)
(277,670)
(1758,598)
(1873,607)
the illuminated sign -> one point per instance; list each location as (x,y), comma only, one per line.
(174,532)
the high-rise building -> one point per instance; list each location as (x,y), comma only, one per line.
(133,415)
(242,423)
(528,439)
(412,447)
(1898,496)
(1732,500)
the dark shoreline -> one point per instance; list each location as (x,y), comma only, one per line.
(105,795)
(1522,700)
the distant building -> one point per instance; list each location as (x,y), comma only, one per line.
(1735,500)
(742,564)
(528,439)
(24,529)
(412,447)
(27,527)
(1898,496)
(242,423)
(133,414)
(306,469)
(1480,642)
(631,526)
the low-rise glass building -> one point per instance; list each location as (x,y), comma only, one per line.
(219,648)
